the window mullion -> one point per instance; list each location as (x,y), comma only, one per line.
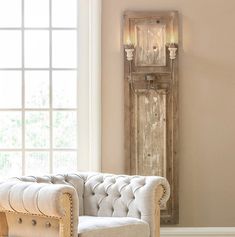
(51,96)
(38,28)
(38,69)
(23,91)
(78,165)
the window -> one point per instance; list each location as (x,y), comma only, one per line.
(38,87)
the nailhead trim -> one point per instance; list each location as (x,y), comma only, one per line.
(71,214)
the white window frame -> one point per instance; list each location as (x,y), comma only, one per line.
(89,85)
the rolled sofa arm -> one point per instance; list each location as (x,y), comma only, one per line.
(153,185)
(55,201)
(150,198)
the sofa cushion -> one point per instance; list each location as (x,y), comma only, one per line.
(92,226)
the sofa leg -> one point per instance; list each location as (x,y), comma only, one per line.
(3,225)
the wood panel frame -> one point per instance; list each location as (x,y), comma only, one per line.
(164,78)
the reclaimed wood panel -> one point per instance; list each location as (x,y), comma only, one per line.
(151,107)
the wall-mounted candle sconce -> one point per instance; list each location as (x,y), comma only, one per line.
(129,54)
(151,49)
(151,99)
(172,48)
(129,49)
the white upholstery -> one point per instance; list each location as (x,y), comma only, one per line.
(27,197)
(98,195)
(90,226)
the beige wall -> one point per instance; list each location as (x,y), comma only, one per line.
(207,103)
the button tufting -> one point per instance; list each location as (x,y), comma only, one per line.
(34,222)
(48,224)
(19,220)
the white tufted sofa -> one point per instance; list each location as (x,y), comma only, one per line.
(82,205)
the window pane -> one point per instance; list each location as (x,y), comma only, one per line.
(64,13)
(64,125)
(37,89)
(37,163)
(36,13)
(64,162)
(10,164)
(10,130)
(10,13)
(10,48)
(64,49)
(37,129)
(37,48)
(10,89)
(64,89)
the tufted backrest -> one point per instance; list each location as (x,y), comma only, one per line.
(111,195)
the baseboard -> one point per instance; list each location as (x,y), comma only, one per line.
(197,231)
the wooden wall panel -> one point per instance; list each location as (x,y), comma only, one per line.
(151,104)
